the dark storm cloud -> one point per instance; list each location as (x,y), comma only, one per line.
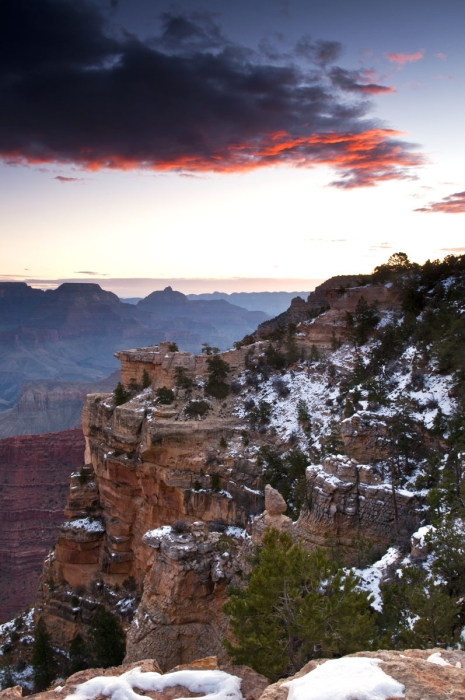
(323,52)
(356,81)
(188,100)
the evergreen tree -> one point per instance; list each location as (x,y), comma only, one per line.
(297,606)
(145,379)
(78,654)
(218,370)
(43,662)
(6,671)
(418,613)
(120,395)
(106,640)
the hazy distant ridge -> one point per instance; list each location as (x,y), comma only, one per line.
(272,303)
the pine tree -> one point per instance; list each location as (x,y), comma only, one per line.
(78,654)
(106,640)
(43,662)
(120,395)
(297,606)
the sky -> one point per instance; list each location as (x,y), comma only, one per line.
(232,146)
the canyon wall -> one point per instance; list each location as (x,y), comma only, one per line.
(34,471)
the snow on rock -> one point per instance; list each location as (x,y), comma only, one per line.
(346,679)
(372,576)
(437,659)
(419,537)
(84,524)
(153,537)
(217,685)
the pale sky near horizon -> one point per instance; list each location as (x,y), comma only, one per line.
(228,143)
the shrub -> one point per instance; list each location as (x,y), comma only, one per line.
(275,358)
(215,482)
(182,380)
(260,414)
(209,350)
(180,527)
(164,396)
(196,408)
(172,347)
(280,387)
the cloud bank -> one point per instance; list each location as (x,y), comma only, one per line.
(188,100)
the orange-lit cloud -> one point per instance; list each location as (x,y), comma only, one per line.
(359,159)
(402,58)
(452,204)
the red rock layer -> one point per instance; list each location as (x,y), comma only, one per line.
(34,471)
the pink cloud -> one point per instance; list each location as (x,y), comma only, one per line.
(441,56)
(452,204)
(402,58)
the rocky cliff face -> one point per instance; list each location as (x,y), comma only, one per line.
(346,499)
(147,466)
(34,473)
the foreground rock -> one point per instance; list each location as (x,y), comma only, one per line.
(203,676)
(431,674)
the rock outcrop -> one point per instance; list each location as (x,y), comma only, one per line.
(331,325)
(147,466)
(345,498)
(180,613)
(34,471)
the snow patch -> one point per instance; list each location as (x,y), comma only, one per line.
(345,679)
(84,524)
(437,659)
(372,576)
(217,685)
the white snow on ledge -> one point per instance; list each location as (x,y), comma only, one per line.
(346,679)
(217,685)
(84,524)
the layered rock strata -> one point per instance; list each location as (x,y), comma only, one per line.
(34,471)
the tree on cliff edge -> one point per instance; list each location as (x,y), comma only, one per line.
(43,662)
(298,606)
(106,639)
